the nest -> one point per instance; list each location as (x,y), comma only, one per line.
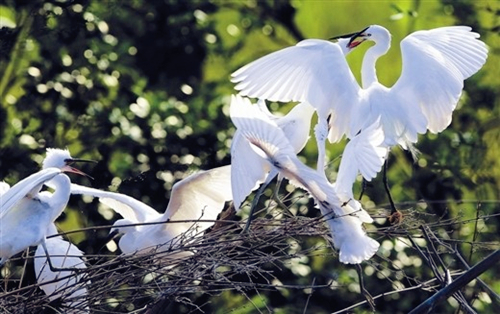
(223,259)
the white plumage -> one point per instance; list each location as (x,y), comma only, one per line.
(250,169)
(435,64)
(345,220)
(63,284)
(201,196)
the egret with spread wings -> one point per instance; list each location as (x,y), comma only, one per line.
(195,202)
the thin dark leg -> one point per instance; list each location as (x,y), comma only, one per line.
(363,187)
(277,199)
(254,205)
(388,191)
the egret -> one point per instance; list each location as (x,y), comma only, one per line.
(62,284)
(344,217)
(201,196)
(25,212)
(435,64)
(295,78)
(249,168)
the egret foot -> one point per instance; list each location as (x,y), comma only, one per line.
(395,218)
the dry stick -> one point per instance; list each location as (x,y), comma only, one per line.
(476,233)
(443,278)
(493,295)
(364,292)
(461,281)
(420,286)
(310,295)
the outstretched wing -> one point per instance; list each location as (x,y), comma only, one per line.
(435,64)
(4,187)
(128,207)
(201,196)
(364,154)
(313,71)
(63,254)
(249,169)
(266,139)
(29,185)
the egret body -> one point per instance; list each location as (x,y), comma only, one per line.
(435,64)
(201,196)
(25,212)
(344,217)
(63,284)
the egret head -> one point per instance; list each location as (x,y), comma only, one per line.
(123,226)
(61,159)
(374,33)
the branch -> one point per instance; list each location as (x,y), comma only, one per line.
(461,281)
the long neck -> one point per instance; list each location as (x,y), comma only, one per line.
(60,197)
(368,71)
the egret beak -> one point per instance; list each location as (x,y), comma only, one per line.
(355,38)
(74,170)
(72,160)
(112,234)
(68,168)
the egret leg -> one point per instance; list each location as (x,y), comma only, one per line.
(52,268)
(388,191)
(277,199)
(254,205)
(321,132)
(363,187)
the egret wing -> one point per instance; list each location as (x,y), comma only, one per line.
(4,187)
(435,64)
(63,254)
(313,71)
(29,185)
(264,136)
(127,206)
(201,196)
(261,104)
(296,125)
(364,154)
(248,171)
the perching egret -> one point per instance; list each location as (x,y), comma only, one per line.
(25,212)
(435,64)
(250,169)
(344,217)
(62,284)
(201,196)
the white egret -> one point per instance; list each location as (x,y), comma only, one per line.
(344,217)
(62,284)
(25,212)
(249,168)
(435,64)
(201,196)
(247,77)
